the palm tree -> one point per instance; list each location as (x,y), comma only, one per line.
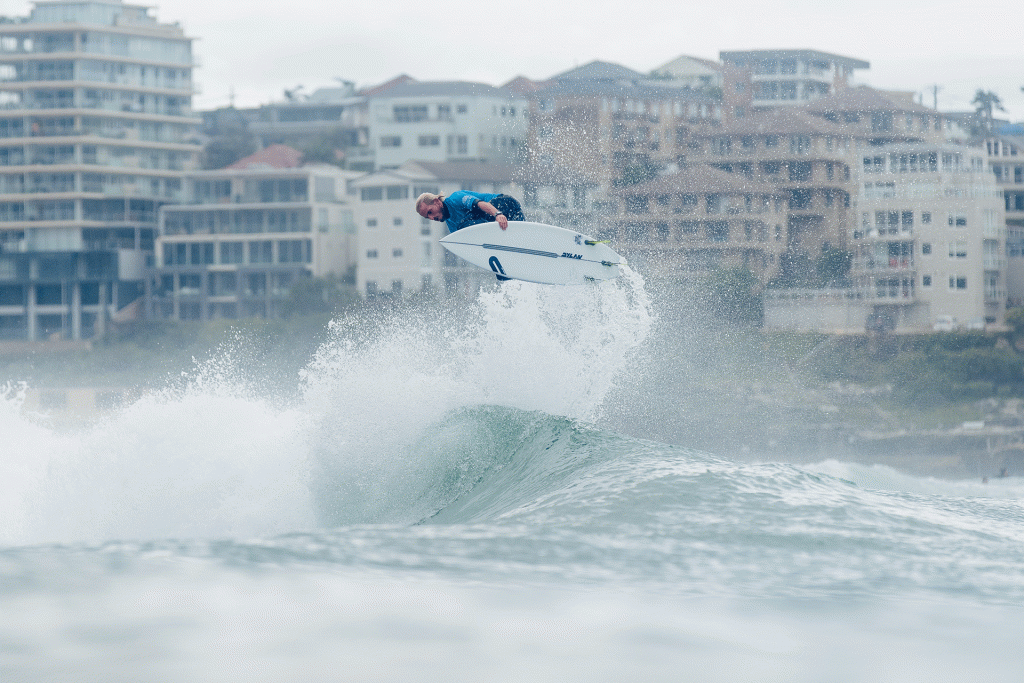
(986,103)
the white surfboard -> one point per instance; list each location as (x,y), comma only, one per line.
(535,252)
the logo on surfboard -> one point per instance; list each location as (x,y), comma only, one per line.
(566,254)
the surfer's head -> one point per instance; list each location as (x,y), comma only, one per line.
(430,206)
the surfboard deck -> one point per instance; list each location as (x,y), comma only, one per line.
(535,252)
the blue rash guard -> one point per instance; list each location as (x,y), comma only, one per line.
(462,211)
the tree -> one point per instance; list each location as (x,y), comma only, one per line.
(320,295)
(229,139)
(734,295)
(833,267)
(986,103)
(640,171)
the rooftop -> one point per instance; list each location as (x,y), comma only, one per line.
(779,121)
(441,89)
(747,55)
(598,70)
(864,99)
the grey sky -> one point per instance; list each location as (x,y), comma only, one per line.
(258,48)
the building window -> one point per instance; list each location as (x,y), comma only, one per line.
(957,282)
(231,252)
(391,141)
(430,140)
(398,192)
(396,221)
(396,253)
(926,217)
(371,222)
(293,251)
(371,194)
(371,253)
(926,280)
(410,114)
(261,252)
(926,249)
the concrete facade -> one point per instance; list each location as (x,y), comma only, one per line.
(806,157)
(447,121)
(1005,154)
(930,239)
(763,79)
(694,220)
(248,235)
(96,132)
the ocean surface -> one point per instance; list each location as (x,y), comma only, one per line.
(475,495)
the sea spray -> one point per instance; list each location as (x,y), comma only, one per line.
(203,460)
(375,388)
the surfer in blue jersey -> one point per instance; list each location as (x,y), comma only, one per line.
(463,208)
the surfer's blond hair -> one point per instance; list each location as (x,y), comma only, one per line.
(426,198)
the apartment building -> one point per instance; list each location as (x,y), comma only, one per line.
(447,121)
(96,133)
(599,126)
(249,233)
(764,79)
(881,117)
(1005,154)
(399,252)
(931,238)
(699,218)
(806,157)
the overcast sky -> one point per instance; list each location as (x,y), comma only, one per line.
(257,48)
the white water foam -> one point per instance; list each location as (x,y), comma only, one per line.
(883,478)
(216,458)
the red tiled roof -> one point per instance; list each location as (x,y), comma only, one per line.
(386,85)
(274,156)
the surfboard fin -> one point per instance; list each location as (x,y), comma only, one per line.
(593,242)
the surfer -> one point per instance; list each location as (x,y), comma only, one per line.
(463,208)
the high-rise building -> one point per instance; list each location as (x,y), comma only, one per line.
(96,131)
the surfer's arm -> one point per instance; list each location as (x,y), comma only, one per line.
(498,216)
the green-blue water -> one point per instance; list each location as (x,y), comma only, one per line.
(466,500)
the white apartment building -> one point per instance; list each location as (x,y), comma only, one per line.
(398,250)
(1006,159)
(249,234)
(930,239)
(96,132)
(447,121)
